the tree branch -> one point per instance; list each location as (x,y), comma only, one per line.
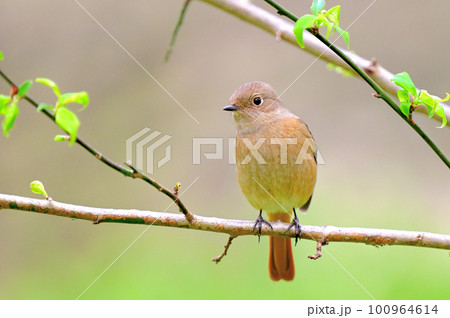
(217,259)
(234,228)
(282,29)
(129,171)
(380,92)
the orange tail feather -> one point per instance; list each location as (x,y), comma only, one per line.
(281,260)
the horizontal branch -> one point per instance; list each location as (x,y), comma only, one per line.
(232,227)
(128,171)
(283,30)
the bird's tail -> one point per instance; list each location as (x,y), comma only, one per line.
(281,260)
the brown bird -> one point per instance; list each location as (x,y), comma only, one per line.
(276,165)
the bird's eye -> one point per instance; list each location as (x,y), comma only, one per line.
(257,101)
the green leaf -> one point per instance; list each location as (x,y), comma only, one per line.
(61,138)
(432,103)
(428,100)
(441,113)
(317,6)
(404,107)
(68,121)
(24,88)
(333,14)
(340,70)
(11,111)
(1,55)
(304,22)
(79,97)
(404,81)
(4,100)
(330,30)
(321,21)
(49,83)
(423,93)
(37,187)
(344,34)
(403,96)
(42,106)
(447,97)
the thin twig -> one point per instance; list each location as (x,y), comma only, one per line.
(217,259)
(383,95)
(318,254)
(175,31)
(128,172)
(233,228)
(282,30)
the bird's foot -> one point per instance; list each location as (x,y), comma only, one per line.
(298,228)
(258,224)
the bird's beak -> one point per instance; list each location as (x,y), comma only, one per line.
(231,108)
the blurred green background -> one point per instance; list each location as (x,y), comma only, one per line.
(378,172)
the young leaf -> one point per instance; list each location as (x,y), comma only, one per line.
(447,97)
(37,187)
(404,107)
(24,88)
(424,94)
(4,100)
(317,6)
(428,100)
(344,34)
(304,22)
(42,106)
(340,70)
(68,121)
(404,81)
(433,103)
(79,97)
(49,83)
(403,96)
(320,21)
(11,111)
(333,14)
(441,113)
(61,138)
(1,55)
(330,30)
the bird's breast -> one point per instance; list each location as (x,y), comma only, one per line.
(276,166)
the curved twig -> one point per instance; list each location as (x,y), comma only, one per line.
(126,171)
(217,259)
(232,227)
(282,30)
(380,92)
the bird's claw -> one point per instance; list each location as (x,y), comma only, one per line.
(258,224)
(298,229)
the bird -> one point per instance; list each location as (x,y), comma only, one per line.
(276,165)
